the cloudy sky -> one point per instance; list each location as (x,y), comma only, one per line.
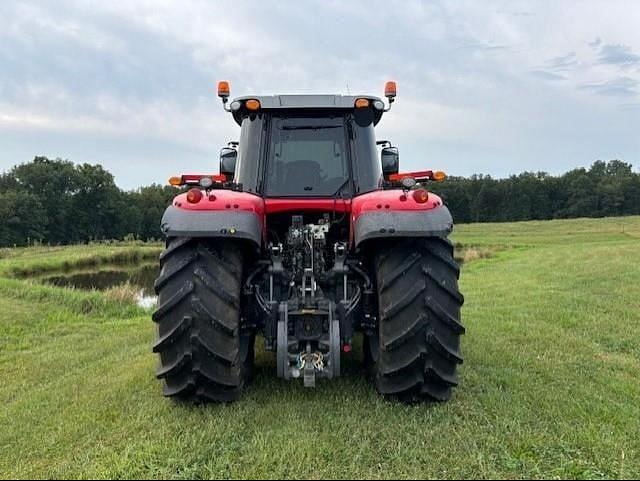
(492,87)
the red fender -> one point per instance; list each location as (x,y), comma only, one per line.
(392,213)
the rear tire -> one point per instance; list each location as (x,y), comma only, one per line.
(417,350)
(203,356)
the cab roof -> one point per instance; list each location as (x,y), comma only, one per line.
(310,102)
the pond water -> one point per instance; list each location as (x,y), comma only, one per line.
(141,277)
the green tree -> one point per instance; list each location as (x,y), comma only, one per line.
(53,182)
(23,219)
(95,205)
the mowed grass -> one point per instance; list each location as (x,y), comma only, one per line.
(550,386)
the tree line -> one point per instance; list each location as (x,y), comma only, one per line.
(605,189)
(59,202)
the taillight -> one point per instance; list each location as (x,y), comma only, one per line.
(194,196)
(420,196)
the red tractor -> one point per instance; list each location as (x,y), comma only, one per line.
(306,238)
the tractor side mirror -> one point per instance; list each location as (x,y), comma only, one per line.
(390,161)
(228,157)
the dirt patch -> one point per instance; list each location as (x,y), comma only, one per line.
(468,253)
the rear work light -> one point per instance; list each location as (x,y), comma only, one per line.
(194,196)
(206,182)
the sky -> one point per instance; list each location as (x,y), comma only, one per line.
(494,87)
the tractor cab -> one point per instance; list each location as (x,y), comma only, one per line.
(307,146)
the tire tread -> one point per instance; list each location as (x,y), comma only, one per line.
(418,349)
(198,319)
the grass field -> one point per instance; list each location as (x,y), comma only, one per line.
(550,386)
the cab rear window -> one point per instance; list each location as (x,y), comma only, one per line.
(307,157)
